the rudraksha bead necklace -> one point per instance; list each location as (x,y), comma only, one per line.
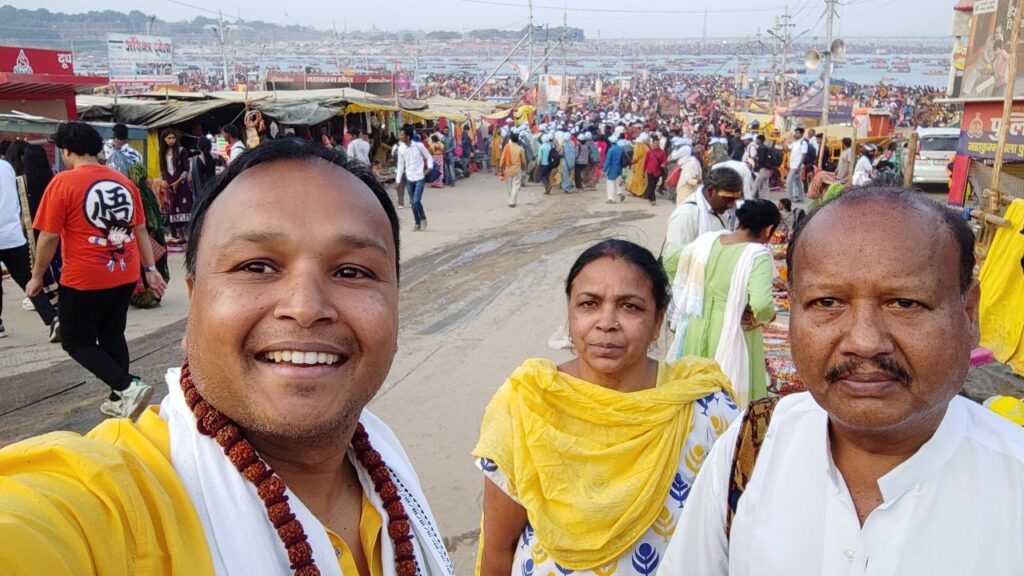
(271,488)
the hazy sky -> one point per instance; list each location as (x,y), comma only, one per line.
(663,19)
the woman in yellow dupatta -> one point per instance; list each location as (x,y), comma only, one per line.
(587,464)
(497,143)
(637,184)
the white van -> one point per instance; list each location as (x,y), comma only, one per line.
(935,149)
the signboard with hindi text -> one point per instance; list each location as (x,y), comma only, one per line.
(987,69)
(139,60)
(16,60)
(979,131)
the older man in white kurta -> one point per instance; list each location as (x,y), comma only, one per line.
(881,469)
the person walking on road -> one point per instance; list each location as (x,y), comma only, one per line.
(797,152)
(97,216)
(413,163)
(14,251)
(613,172)
(513,161)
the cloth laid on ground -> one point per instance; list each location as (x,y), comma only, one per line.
(1002,292)
(592,465)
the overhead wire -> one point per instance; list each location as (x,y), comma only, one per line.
(628,11)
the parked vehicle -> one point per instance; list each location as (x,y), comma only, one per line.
(935,148)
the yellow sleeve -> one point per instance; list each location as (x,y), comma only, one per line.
(108,503)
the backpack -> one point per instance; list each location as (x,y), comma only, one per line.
(554,157)
(627,157)
(811,156)
(774,158)
(748,445)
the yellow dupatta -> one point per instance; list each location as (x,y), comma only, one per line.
(592,466)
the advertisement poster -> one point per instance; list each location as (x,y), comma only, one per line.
(15,60)
(554,88)
(138,60)
(987,70)
(979,131)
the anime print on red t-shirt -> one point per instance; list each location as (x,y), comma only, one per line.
(109,208)
(95,210)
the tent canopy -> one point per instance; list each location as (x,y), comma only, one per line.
(810,107)
(290,107)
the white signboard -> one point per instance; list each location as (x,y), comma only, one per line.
(135,59)
(554,88)
(985,6)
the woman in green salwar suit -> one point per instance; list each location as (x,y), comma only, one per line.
(757,222)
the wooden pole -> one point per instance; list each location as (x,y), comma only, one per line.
(908,169)
(994,193)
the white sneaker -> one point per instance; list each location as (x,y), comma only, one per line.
(131,402)
(27,304)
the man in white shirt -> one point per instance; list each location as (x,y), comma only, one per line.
(864,170)
(881,468)
(359,148)
(743,170)
(14,251)
(414,161)
(705,210)
(794,181)
(234,137)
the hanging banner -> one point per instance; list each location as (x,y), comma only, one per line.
(16,60)
(979,131)
(554,88)
(138,60)
(987,70)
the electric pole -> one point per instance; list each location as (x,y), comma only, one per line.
(222,32)
(781,32)
(827,87)
(565,27)
(704,35)
(529,72)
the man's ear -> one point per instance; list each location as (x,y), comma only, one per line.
(972,307)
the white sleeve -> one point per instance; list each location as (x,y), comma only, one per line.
(699,545)
(682,228)
(401,165)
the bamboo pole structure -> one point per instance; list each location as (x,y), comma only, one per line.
(1004,129)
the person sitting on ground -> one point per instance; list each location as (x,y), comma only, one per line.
(721,276)
(788,217)
(262,458)
(881,467)
(588,463)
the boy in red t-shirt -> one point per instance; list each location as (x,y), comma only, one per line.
(97,216)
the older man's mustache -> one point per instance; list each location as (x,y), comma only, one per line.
(886,364)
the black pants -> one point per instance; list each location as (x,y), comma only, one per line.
(92,326)
(17,262)
(544,175)
(652,186)
(580,169)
